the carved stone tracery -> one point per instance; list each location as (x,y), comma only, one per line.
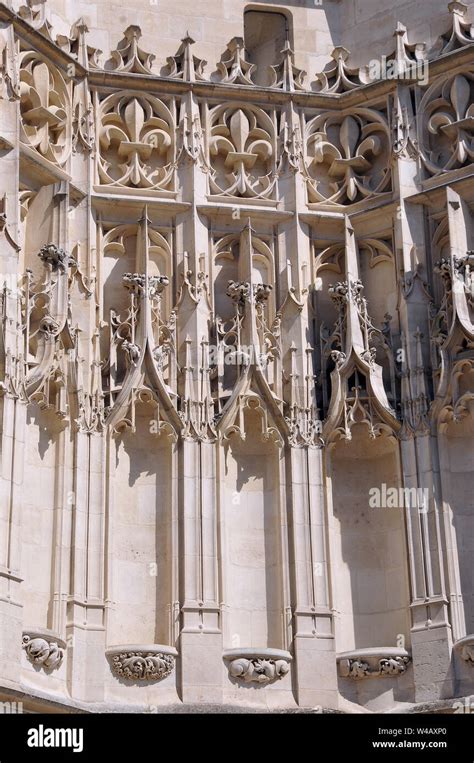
(136,142)
(347,156)
(242,152)
(45,108)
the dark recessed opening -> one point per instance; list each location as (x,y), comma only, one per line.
(265,34)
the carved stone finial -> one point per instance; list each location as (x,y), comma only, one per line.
(128,56)
(184,65)
(234,68)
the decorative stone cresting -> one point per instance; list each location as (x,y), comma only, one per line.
(371,663)
(43,648)
(260,666)
(142,662)
(465,647)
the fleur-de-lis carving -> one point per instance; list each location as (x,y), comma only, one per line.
(451,117)
(348,156)
(136,142)
(44,104)
(242,151)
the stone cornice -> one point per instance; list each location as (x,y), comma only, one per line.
(150,83)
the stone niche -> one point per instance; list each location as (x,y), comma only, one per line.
(458,466)
(142,535)
(371,585)
(252,539)
(376,678)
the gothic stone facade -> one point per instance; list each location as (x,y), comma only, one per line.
(236,355)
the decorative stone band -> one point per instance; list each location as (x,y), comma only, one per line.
(149,662)
(465,648)
(43,647)
(371,663)
(257,665)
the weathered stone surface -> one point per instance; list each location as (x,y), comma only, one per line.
(236,355)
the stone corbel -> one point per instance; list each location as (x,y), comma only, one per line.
(260,666)
(43,648)
(150,662)
(379,662)
(465,648)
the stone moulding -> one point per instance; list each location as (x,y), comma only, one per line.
(149,662)
(374,662)
(260,666)
(43,647)
(465,648)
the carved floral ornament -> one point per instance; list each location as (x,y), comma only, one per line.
(142,663)
(447,123)
(43,649)
(347,156)
(45,108)
(373,663)
(260,666)
(136,142)
(142,666)
(241,152)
